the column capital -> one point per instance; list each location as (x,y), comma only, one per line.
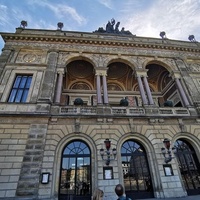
(175,74)
(101,71)
(61,71)
(140,72)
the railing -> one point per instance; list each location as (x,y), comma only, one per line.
(27,108)
(174,111)
(122,111)
(78,110)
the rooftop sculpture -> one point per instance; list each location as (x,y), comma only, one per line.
(112,28)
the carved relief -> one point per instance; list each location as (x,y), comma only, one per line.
(181,65)
(100,60)
(62,58)
(195,67)
(108,49)
(170,62)
(29,57)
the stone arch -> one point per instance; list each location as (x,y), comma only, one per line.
(121,71)
(116,86)
(79,57)
(58,157)
(151,155)
(122,60)
(85,82)
(188,161)
(192,139)
(158,74)
(80,72)
(158,62)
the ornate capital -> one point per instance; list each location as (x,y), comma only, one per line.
(141,72)
(175,74)
(101,72)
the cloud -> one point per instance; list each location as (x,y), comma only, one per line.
(178,18)
(106,3)
(3,15)
(61,11)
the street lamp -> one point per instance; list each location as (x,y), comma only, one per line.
(167,151)
(109,156)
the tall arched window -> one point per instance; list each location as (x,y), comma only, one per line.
(75,178)
(137,179)
(189,166)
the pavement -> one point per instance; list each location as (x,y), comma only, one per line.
(194,197)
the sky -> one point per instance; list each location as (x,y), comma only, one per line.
(144,18)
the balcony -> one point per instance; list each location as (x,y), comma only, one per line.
(126,111)
(101,110)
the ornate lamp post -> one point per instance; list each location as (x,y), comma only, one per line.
(107,152)
(167,151)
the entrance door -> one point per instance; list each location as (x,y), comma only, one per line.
(189,166)
(75,177)
(137,179)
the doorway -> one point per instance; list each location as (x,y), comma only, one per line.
(137,179)
(75,176)
(189,166)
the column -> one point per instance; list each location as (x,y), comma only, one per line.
(105,90)
(48,84)
(142,92)
(148,91)
(99,99)
(182,93)
(59,87)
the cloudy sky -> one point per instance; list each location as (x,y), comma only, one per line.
(178,18)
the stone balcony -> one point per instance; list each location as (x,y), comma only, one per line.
(127,111)
(139,111)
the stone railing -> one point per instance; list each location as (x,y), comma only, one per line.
(42,108)
(123,111)
(174,111)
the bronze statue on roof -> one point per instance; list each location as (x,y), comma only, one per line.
(112,28)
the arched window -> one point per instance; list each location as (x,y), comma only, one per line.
(189,166)
(137,179)
(75,178)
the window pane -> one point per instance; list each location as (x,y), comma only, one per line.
(24,96)
(20,89)
(17,81)
(23,82)
(12,95)
(28,82)
(19,95)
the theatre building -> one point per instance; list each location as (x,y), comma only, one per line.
(87,110)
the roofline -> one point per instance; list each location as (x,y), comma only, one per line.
(96,38)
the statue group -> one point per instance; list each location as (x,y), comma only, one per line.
(111,27)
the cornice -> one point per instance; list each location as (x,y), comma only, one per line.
(134,42)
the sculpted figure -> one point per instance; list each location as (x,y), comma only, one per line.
(117,27)
(111,29)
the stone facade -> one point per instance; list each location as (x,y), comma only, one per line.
(34,134)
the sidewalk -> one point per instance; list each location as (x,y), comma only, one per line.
(195,197)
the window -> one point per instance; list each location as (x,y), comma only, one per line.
(75,179)
(20,88)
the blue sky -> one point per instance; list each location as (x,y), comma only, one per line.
(178,18)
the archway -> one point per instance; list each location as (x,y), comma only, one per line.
(137,179)
(75,173)
(189,166)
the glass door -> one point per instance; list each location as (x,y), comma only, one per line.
(189,166)
(137,179)
(75,179)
